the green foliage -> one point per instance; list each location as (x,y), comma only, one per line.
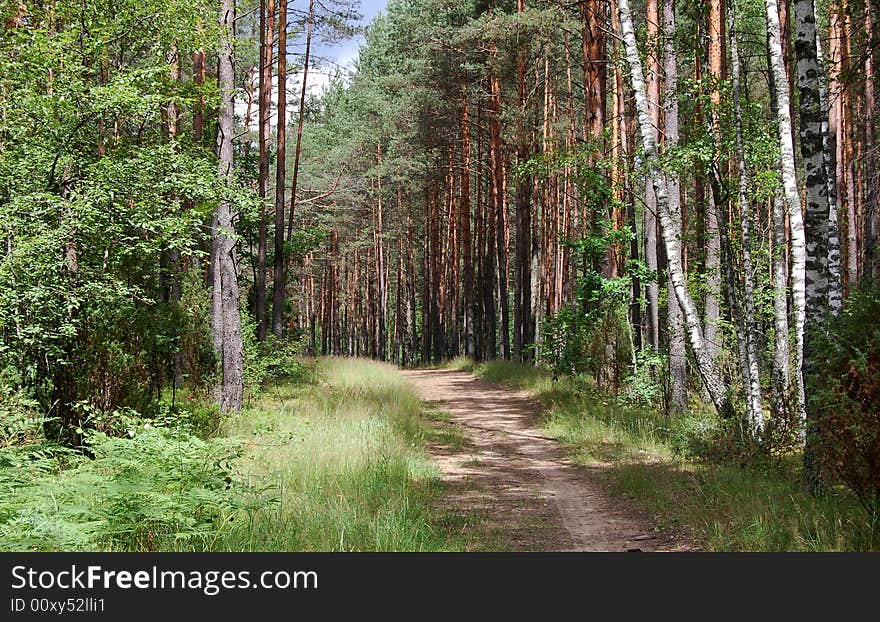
(590,334)
(155,488)
(845,394)
(103,209)
(644,386)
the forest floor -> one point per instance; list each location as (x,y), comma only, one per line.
(520,481)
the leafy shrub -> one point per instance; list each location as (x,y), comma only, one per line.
(155,488)
(20,421)
(645,386)
(845,395)
(273,359)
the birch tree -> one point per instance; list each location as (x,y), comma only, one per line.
(712,380)
(791,195)
(752,376)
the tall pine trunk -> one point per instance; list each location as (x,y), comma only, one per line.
(267,35)
(278,280)
(225,318)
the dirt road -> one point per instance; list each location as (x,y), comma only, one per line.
(519,480)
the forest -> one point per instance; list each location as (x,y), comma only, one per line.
(240,277)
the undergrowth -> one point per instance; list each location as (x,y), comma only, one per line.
(337,464)
(327,456)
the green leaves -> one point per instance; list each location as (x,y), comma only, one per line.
(159,488)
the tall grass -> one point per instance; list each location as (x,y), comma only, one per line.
(342,460)
(647,456)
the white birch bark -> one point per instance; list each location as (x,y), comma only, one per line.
(792,198)
(752,376)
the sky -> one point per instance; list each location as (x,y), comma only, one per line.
(340,54)
(344,52)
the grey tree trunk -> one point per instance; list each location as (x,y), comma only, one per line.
(677,354)
(711,378)
(752,375)
(279,265)
(814,152)
(835,282)
(225,318)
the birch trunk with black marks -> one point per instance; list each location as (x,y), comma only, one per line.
(835,282)
(791,195)
(814,141)
(752,375)
(677,353)
(706,366)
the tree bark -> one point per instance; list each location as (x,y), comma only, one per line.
(278,275)
(752,375)
(652,288)
(267,36)
(677,354)
(226,321)
(301,115)
(464,224)
(712,310)
(870,215)
(792,197)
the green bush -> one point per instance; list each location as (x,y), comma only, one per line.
(155,488)
(845,394)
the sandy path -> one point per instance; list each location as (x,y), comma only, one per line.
(520,480)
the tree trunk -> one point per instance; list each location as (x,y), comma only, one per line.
(791,194)
(653,92)
(714,32)
(267,35)
(301,115)
(677,354)
(752,375)
(226,321)
(522,331)
(870,215)
(278,280)
(465,235)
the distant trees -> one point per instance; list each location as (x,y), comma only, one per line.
(513,151)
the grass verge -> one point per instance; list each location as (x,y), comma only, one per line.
(651,458)
(341,458)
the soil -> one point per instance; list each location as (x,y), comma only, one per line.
(519,481)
